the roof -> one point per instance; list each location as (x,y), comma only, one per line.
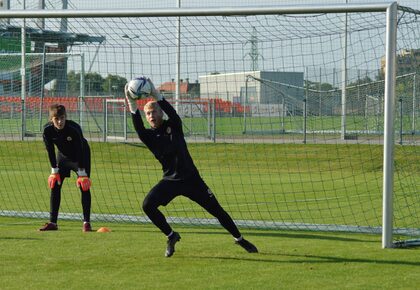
(40,35)
(170,87)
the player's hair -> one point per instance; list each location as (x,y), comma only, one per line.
(57,110)
(152,105)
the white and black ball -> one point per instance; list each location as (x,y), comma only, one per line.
(139,88)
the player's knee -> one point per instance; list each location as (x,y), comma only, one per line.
(148,205)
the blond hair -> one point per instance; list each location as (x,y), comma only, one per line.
(152,105)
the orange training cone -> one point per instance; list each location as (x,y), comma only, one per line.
(103,230)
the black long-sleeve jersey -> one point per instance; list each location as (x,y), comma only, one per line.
(168,145)
(69,141)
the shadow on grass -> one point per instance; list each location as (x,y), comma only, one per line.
(20,238)
(305,258)
(319,236)
(291,235)
(141,145)
(256,233)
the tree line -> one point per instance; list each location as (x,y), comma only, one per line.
(95,84)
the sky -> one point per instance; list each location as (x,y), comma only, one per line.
(83,4)
(104,4)
(118,54)
(91,4)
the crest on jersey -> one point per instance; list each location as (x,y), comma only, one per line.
(69,138)
(168,130)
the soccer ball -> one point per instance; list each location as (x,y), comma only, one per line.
(139,88)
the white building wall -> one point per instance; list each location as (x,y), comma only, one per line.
(227,86)
(231,87)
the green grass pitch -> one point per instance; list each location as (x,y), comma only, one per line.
(320,184)
(252,181)
(132,257)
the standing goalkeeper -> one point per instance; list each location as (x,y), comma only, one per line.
(165,139)
(73,155)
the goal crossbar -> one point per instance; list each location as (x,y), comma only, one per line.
(164,12)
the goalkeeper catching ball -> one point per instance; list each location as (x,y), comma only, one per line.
(165,139)
(73,155)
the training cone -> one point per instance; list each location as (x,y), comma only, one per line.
(103,230)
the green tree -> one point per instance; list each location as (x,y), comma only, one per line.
(94,84)
(114,85)
(316,86)
(73,83)
(361,81)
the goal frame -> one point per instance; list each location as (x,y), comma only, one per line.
(107,137)
(391,10)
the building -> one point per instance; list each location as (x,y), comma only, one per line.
(408,61)
(186,89)
(39,40)
(261,87)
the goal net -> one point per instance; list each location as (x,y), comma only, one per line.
(284,112)
(115,120)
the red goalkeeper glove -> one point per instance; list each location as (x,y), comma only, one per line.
(83,180)
(54,177)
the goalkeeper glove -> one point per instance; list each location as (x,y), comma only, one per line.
(54,177)
(83,180)
(132,104)
(154,92)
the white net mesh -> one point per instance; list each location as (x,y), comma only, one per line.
(261,101)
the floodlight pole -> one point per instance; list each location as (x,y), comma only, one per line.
(42,93)
(23,76)
(388,162)
(82,88)
(344,80)
(413,126)
(178,59)
(305,105)
(131,51)
(245,101)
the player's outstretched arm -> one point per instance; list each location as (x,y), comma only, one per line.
(131,102)
(165,105)
(154,92)
(135,114)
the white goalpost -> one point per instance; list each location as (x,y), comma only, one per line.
(300,135)
(388,175)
